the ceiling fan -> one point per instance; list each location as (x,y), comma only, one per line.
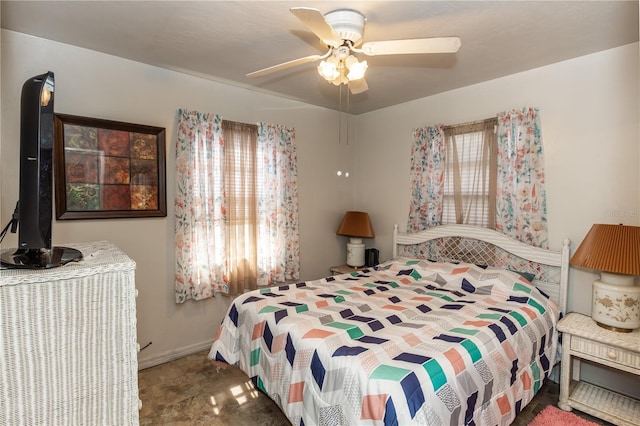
(341,31)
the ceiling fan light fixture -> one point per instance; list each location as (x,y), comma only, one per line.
(342,71)
(341,31)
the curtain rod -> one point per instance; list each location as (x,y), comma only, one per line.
(471,123)
(238,123)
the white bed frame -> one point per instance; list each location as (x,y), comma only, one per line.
(556,286)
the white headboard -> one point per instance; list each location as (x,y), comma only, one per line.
(472,244)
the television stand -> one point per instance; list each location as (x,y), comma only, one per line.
(68,346)
(39,259)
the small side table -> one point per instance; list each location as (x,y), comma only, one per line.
(583,338)
(345,269)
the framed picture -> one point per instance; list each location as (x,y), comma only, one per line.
(108,169)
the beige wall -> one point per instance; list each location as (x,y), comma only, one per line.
(590,128)
(590,124)
(96,85)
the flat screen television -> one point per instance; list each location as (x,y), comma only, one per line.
(33,215)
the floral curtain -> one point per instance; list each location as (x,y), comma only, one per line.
(278,231)
(426,178)
(521,209)
(200,211)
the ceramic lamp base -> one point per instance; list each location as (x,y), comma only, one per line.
(355,252)
(616,303)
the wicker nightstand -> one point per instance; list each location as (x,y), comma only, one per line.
(345,269)
(583,338)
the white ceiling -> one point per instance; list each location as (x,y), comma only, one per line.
(224,40)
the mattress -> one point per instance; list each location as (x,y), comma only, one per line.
(408,342)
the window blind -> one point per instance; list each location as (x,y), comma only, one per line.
(470,174)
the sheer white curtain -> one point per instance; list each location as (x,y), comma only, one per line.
(278,229)
(521,201)
(199,207)
(426,178)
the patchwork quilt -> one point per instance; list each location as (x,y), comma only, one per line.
(408,342)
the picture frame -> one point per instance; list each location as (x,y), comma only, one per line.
(108,169)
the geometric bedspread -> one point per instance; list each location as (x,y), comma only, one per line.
(408,342)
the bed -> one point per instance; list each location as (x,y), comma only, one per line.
(459,327)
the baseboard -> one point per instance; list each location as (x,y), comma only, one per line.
(172,354)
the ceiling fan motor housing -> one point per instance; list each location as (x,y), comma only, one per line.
(348,23)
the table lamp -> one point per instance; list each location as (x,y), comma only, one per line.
(357,226)
(614,250)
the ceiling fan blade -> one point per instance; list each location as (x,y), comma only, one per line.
(412,46)
(286,65)
(315,21)
(358,86)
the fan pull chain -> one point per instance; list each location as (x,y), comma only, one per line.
(348,99)
(340,115)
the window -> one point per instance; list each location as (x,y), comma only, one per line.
(470,174)
(506,151)
(236,206)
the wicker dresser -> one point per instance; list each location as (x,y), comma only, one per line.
(582,338)
(68,351)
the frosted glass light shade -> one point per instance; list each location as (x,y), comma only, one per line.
(356,69)
(329,69)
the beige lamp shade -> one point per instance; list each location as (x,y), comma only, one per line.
(356,224)
(610,248)
(614,250)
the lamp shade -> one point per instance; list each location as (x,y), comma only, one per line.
(610,248)
(356,224)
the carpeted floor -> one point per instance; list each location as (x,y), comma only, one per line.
(190,391)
